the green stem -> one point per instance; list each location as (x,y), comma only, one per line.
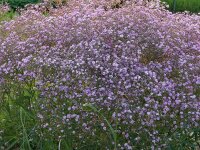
(174,5)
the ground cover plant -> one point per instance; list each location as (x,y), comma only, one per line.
(100,75)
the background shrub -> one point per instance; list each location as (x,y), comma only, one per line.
(14,4)
(184,5)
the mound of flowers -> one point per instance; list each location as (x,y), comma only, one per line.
(129,76)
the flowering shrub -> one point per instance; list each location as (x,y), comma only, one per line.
(127,76)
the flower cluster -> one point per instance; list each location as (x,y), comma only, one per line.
(138,66)
(4,8)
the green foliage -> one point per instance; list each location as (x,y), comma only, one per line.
(7,16)
(184,5)
(111,129)
(17,118)
(184,139)
(14,4)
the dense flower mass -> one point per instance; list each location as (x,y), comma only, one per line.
(138,66)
